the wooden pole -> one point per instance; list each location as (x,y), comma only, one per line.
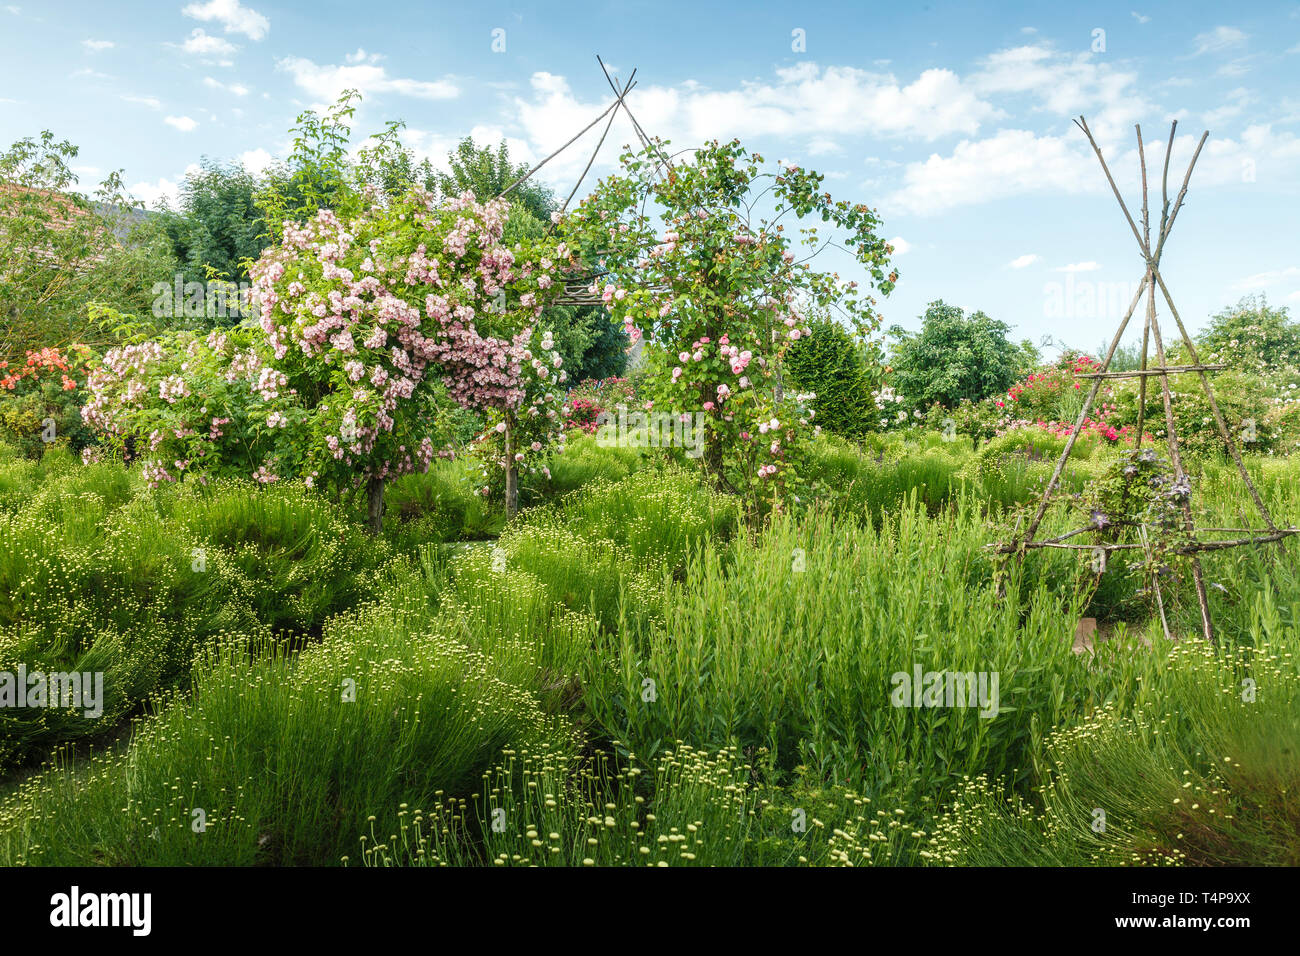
(512,473)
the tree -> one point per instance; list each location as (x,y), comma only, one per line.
(319,173)
(590,344)
(218,228)
(60,250)
(364,324)
(487,173)
(954,357)
(1255,334)
(722,294)
(831,364)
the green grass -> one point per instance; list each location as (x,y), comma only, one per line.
(1203,773)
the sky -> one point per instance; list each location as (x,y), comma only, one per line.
(953,122)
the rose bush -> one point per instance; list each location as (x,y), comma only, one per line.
(39,399)
(364,327)
(722,294)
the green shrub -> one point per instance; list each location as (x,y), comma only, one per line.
(1203,772)
(830,363)
(956,357)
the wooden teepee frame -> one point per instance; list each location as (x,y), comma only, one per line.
(577,291)
(1152,279)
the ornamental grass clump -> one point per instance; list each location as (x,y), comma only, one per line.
(659,516)
(793,641)
(100,575)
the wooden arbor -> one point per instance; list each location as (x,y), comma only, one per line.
(1161,370)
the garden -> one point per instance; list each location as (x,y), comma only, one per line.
(363,514)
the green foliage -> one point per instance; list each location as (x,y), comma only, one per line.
(570,813)
(99,575)
(1256,418)
(218,227)
(60,249)
(1200,774)
(322,172)
(630,650)
(288,757)
(1254,335)
(830,363)
(717,288)
(487,172)
(40,401)
(955,357)
(589,343)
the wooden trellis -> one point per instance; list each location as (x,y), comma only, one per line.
(1151,280)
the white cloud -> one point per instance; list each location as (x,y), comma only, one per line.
(327,82)
(236,89)
(836,99)
(1079,267)
(1270,157)
(1262,280)
(1020,262)
(89,74)
(1139,17)
(1238,67)
(821,146)
(162,189)
(1022,162)
(1218,40)
(150,101)
(201,44)
(96,45)
(231,15)
(1065,84)
(1236,101)
(901,246)
(802,101)
(182,123)
(1012,162)
(256,161)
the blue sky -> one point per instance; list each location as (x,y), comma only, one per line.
(953,122)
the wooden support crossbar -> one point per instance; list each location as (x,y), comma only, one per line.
(1193,548)
(1170,370)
